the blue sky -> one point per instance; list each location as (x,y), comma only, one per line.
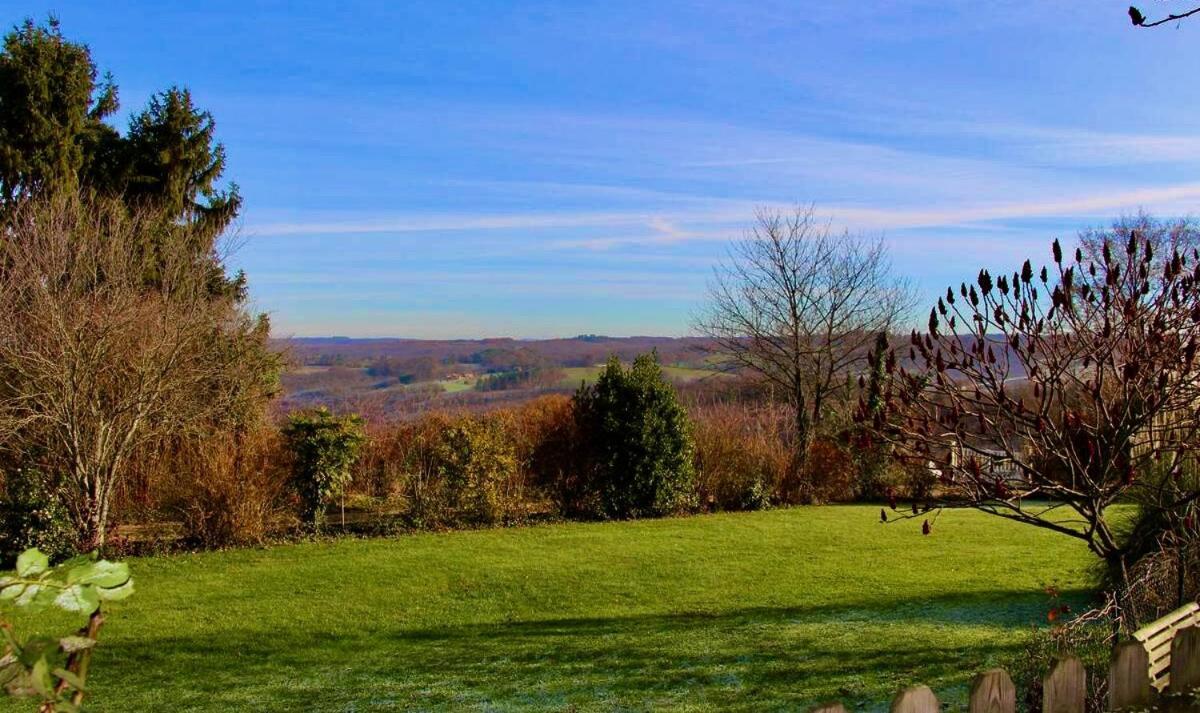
(466,169)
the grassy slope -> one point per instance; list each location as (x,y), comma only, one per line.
(742,612)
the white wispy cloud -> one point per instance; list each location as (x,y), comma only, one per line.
(699,225)
(1165,200)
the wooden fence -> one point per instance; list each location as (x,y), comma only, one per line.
(1064,688)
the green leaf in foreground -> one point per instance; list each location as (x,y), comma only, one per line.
(54,670)
(31,563)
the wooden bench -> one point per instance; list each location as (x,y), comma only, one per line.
(1156,637)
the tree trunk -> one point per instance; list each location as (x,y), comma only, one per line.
(800,453)
(1127,614)
(93,534)
(85,659)
(91,515)
(1181,567)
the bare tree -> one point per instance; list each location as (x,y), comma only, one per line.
(1046,396)
(1164,237)
(800,306)
(111,339)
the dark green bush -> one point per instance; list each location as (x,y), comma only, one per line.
(639,452)
(32,515)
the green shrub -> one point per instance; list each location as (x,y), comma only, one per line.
(32,515)
(444,470)
(872,454)
(476,462)
(410,461)
(638,441)
(324,448)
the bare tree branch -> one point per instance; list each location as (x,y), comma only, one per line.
(800,307)
(1076,385)
(1139,19)
(111,340)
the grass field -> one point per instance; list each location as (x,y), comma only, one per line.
(454,386)
(746,612)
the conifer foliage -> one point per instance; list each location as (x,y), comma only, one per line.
(639,439)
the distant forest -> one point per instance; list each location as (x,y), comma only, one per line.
(392,378)
(583,350)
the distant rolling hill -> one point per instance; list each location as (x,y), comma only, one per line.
(394,377)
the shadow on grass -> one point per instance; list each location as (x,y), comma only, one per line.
(744,659)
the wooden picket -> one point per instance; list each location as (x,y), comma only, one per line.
(1157,637)
(1129,677)
(918,699)
(1064,688)
(1185,661)
(993,692)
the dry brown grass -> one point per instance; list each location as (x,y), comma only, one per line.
(225,489)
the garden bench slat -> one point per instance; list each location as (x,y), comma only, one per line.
(1156,638)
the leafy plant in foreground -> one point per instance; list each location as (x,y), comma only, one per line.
(54,670)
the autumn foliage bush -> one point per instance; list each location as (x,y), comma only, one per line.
(447,470)
(829,475)
(742,456)
(534,460)
(236,492)
(475,464)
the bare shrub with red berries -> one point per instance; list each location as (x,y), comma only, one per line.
(1050,394)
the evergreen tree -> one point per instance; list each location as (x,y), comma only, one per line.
(640,459)
(324,448)
(53,138)
(51,112)
(871,454)
(152,194)
(174,163)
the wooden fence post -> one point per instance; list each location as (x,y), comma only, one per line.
(835,707)
(1064,689)
(918,699)
(993,692)
(1129,677)
(1185,661)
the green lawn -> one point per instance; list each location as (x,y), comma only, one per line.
(750,612)
(454,386)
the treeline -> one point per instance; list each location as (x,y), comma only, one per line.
(526,377)
(628,445)
(493,353)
